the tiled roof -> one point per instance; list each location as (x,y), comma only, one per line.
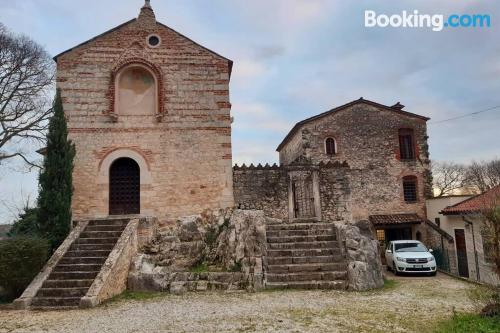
(475,204)
(395,219)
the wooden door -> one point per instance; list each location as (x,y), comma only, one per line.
(124,187)
(463,266)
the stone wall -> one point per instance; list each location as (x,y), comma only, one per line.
(184,151)
(367,139)
(262,188)
(267,188)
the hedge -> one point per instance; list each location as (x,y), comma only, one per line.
(20,261)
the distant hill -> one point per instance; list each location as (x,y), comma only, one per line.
(4,229)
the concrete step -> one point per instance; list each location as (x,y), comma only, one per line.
(55,301)
(304,245)
(304,260)
(338,285)
(73,275)
(87,253)
(62,292)
(314,267)
(303,252)
(77,268)
(91,247)
(101,234)
(308,276)
(118,222)
(296,239)
(104,228)
(96,240)
(306,232)
(82,260)
(67,283)
(300,226)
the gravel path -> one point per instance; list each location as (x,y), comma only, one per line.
(411,306)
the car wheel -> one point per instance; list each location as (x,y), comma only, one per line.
(433,274)
(395,271)
(389,268)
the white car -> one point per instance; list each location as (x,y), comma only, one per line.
(409,256)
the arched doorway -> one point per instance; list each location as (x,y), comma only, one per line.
(124,187)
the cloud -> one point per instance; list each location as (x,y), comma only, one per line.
(268,52)
(259,117)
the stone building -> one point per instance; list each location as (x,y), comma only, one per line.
(148,110)
(360,161)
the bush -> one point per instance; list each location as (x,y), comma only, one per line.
(26,225)
(468,323)
(20,261)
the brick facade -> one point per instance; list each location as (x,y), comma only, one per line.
(183,150)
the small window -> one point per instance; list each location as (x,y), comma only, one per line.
(381,236)
(154,40)
(330,146)
(410,189)
(488,246)
(438,221)
(406,144)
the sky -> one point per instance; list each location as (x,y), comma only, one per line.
(297,58)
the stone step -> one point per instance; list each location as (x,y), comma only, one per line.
(308,276)
(67,283)
(77,268)
(338,285)
(305,245)
(96,240)
(119,222)
(76,247)
(297,239)
(87,253)
(303,252)
(100,234)
(105,228)
(300,226)
(55,301)
(305,232)
(304,260)
(73,275)
(82,260)
(62,292)
(314,267)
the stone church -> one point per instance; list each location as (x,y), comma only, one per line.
(158,205)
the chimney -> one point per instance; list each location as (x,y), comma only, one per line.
(147,15)
(398,106)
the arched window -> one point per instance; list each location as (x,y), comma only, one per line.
(330,146)
(136,89)
(410,189)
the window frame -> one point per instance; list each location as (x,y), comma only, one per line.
(414,180)
(412,154)
(335,152)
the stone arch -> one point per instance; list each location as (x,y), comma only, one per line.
(138,62)
(105,164)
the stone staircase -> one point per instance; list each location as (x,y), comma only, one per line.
(304,255)
(76,270)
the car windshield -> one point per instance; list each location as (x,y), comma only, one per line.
(409,247)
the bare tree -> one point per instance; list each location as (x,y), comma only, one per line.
(26,82)
(484,175)
(448,177)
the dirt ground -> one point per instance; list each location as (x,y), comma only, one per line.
(412,304)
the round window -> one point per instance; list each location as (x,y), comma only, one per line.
(154,40)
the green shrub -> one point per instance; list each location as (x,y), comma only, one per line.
(467,323)
(20,261)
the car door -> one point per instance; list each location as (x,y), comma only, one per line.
(388,254)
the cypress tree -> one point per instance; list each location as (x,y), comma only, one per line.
(55,180)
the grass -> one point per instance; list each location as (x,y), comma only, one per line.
(199,268)
(465,323)
(390,284)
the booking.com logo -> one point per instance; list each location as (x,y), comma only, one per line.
(436,22)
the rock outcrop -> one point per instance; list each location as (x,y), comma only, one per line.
(364,266)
